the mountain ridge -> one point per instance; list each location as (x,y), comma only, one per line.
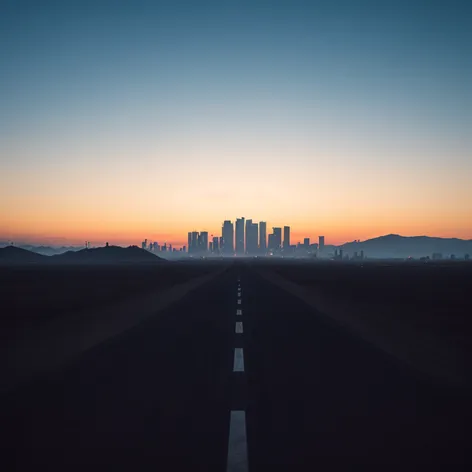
(395,245)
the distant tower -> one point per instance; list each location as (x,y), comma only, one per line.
(228,237)
(204,241)
(321,243)
(286,237)
(215,244)
(263,237)
(277,237)
(240,236)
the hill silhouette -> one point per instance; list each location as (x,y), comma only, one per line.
(107,255)
(396,246)
(13,254)
(49,250)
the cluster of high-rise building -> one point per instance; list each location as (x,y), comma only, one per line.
(155,247)
(246,237)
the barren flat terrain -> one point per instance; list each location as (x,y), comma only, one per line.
(420,306)
(32,293)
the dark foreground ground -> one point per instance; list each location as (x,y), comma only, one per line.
(31,293)
(159,396)
(434,296)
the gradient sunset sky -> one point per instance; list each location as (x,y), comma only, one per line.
(121,121)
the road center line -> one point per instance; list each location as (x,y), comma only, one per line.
(239,302)
(238,365)
(237,443)
(239,327)
(239,312)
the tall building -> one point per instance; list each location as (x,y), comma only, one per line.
(306,243)
(240,236)
(228,238)
(199,242)
(263,237)
(286,237)
(193,248)
(321,243)
(248,231)
(277,237)
(189,241)
(271,244)
(222,243)
(252,232)
(204,241)
(215,245)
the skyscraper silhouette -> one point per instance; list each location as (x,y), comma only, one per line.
(228,238)
(263,237)
(204,241)
(286,237)
(239,236)
(194,245)
(321,243)
(277,237)
(251,237)
(215,245)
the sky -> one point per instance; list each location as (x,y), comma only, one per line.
(121,121)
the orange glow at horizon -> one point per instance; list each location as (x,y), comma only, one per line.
(176,234)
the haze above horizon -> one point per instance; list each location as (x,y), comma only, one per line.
(129,120)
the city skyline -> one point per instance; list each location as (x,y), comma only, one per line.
(179,241)
(149,118)
(241,238)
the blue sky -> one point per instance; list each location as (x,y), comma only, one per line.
(275,94)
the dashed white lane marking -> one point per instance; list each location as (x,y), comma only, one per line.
(239,302)
(239,327)
(237,443)
(238,365)
(239,312)
(239,294)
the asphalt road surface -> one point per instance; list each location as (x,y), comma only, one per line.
(238,375)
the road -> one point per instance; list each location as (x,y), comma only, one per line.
(238,375)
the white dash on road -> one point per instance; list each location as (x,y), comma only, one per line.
(239,312)
(238,365)
(239,302)
(239,294)
(237,443)
(239,327)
